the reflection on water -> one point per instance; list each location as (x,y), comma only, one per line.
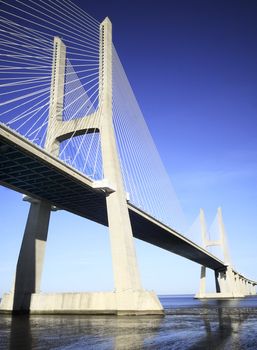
(187,324)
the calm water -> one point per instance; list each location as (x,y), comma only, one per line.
(187,324)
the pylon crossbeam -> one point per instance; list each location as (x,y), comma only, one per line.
(76,127)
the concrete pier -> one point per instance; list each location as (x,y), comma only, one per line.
(112,303)
(31,258)
(229,284)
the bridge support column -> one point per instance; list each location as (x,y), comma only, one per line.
(250,288)
(237,285)
(126,273)
(31,258)
(202,289)
(227,285)
(30,262)
(244,287)
(253,291)
(245,292)
(241,282)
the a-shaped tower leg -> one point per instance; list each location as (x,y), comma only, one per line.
(31,258)
(202,289)
(126,273)
(226,281)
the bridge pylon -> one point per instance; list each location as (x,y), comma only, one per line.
(227,281)
(128,297)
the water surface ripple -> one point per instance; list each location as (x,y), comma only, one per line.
(187,324)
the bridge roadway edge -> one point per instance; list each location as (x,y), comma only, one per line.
(144,227)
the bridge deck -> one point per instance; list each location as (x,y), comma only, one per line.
(28,169)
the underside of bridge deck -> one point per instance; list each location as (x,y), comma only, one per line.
(30,170)
(25,172)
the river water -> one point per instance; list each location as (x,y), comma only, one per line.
(188,324)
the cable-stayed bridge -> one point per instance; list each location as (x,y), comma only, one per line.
(72,137)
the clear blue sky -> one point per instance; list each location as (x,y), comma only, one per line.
(193,67)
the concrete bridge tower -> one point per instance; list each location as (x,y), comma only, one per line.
(229,284)
(129,297)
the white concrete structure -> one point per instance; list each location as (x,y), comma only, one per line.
(117,303)
(229,283)
(129,296)
(31,258)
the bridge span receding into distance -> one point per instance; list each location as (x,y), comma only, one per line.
(31,170)
(82,111)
